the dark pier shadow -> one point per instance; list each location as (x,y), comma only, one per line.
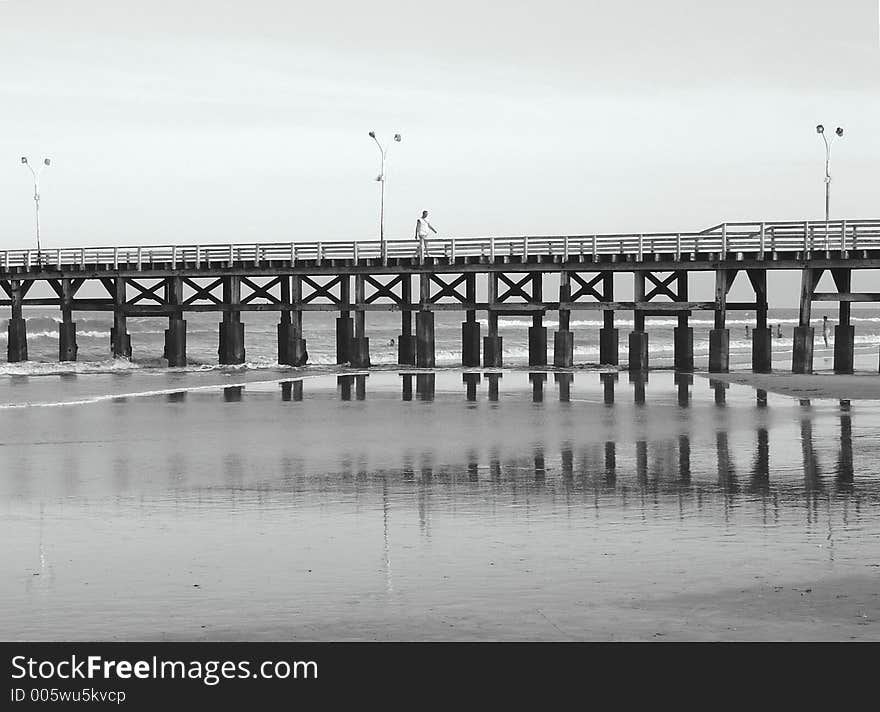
(425,383)
(683,383)
(845,474)
(538,380)
(291,390)
(608,381)
(639,380)
(232,394)
(493,379)
(344,384)
(563,384)
(471,381)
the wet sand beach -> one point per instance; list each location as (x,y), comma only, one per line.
(440,505)
(856,386)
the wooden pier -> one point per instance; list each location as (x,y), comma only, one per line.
(297,277)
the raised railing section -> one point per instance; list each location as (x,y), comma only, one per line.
(734,237)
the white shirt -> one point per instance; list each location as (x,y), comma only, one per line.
(422,227)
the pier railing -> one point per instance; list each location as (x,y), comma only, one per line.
(756,238)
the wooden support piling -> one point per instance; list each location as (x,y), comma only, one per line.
(638,338)
(120,341)
(231,349)
(719,337)
(492,347)
(563,339)
(359,355)
(16,347)
(425,355)
(175,334)
(609,352)
(844,331)
(762,337)
(291,344)
(683,333)
(344,323)
(802,351)
(406,342)
(470,329)
(67,347)
(537,331)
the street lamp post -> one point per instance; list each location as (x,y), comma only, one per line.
(383,154)
(820,129)
(36,177)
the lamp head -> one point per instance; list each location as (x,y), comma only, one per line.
(372,134)
(398,137)
(839,131)
(820,129)
(24,159)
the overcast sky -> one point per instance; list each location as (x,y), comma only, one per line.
(240,121)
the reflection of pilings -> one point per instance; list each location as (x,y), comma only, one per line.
(610,462)
(761,398)
(406,382)
(720,388)
(473,466)
(638,379)
(642,462)
(608,381)
(427,467)
(684,382)
(471,381)
(493,385)
(845,458)
(344,383)
(540,468)
(567,461)
(495,466)
(563,382)
(761,467)
(360,386)
(812,472)
(537,380)
(425,386)
(409,473)
(726,470)
(684,458)
(232,394)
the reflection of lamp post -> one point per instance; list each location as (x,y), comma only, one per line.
(383,153)
(36,175)
(820,129)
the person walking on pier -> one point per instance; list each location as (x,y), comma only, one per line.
(422,227)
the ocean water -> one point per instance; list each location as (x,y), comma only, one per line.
(383,328)
(269,504)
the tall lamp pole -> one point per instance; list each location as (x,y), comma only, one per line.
(36,176)
(383,154)
(820,129)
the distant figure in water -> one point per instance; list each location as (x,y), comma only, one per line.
(422,227)
(747,331)
(391,342)
(825,330)
(779,331)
